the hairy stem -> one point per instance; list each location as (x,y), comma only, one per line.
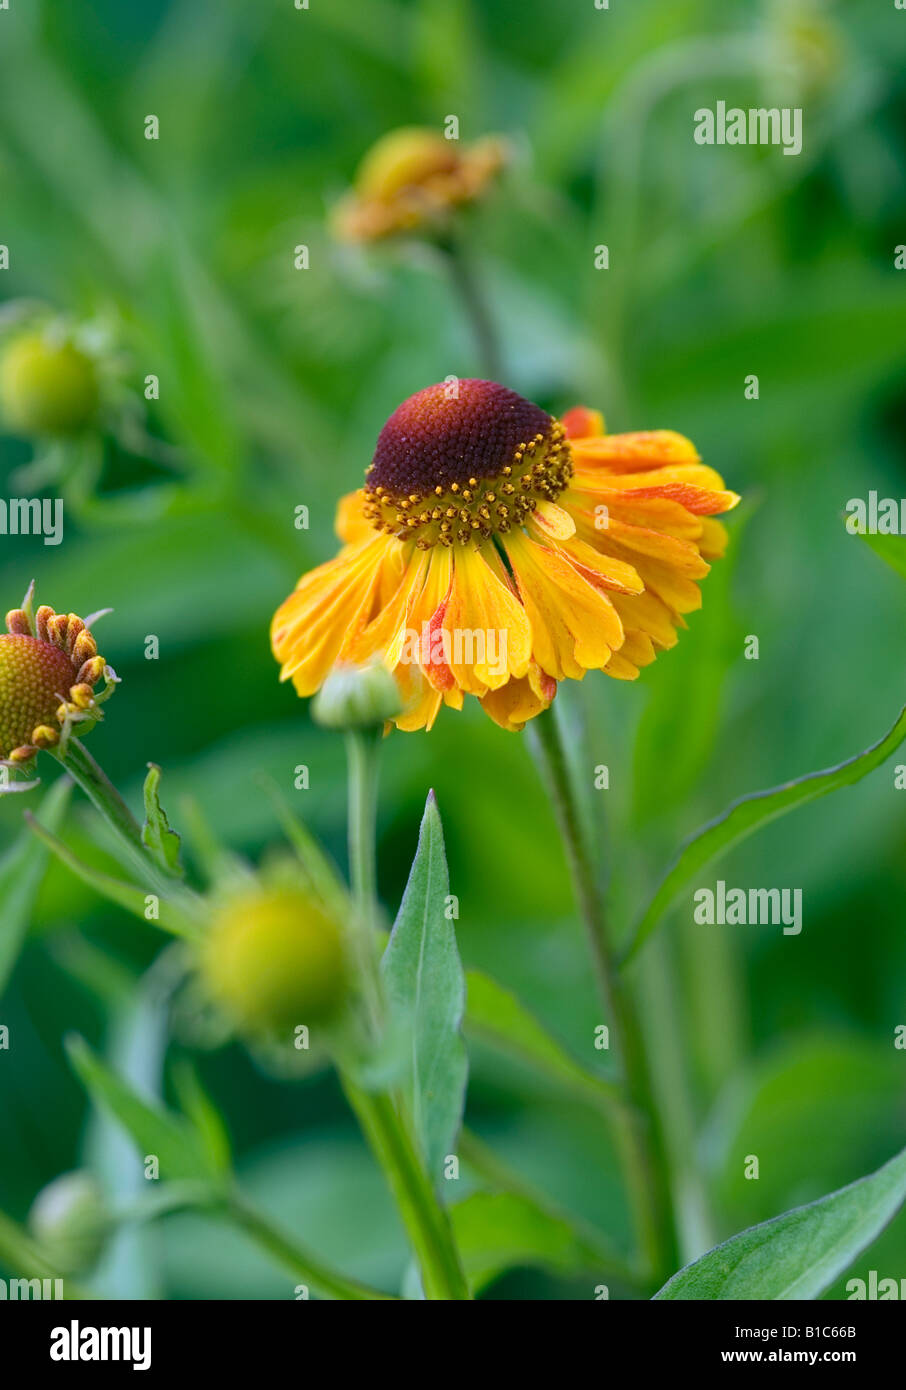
(638,1129)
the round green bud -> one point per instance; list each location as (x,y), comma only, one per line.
(357,697)
(274,959)
(70,1220)
(47,387)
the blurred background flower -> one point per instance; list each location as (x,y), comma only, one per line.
(414,180)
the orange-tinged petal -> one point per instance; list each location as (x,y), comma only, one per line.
(635,543)
(553,521)
(625,452)
(653,480)
(602,569)
(654,513)
(427,617)
(582,423)
(701,501)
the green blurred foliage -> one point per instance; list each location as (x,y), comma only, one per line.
(274,384)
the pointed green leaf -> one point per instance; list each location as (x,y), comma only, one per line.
(153,1129)
(158,838)
(322,875)
(797,1255)
(203,1114)
(21,871)
(496,1017)
(743,817)
(425,987)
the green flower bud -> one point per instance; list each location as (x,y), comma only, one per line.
(274,959)
(69,1218)
(357,697)
(47,387)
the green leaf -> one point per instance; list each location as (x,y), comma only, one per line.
(797,1255)
(496,1231)
(322,875)
(159,839)
(21,871)
(203,1114)
(496,1017)
(425,987)
(891,549)
(743,817)
(171,917)
(153,1129)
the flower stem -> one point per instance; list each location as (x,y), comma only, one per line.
(104,796)
(426,1221)
(301,1262)
(363,748)
(97,786)
(382,1120)
(638,1128)
(468,290)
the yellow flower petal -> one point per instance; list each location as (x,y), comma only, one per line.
(553,522)
(575,627)
(515,703)
(489,634)
(331,604)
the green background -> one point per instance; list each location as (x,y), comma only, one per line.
(724,262)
